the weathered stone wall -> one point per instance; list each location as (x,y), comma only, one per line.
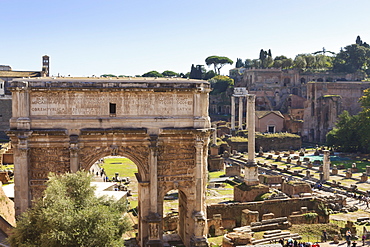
(270,179)
(246,193)
(280,208)
(278,143)
(269,144)
(325,101)
(5,115)
(295,188)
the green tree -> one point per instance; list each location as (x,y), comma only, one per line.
(70,215)
(239,63)
(196,72)
(256,63)
(248,63)
(278,61)
(152,73)
(218,62)
(169,73)
(221,83)
(345,136)
(208,75)
(108,75)
(300,62)
(353,58)
(287,63)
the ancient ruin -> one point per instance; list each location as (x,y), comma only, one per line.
(66,124)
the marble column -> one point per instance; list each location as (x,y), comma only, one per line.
(22,193)
(214,137)
(246,114)
(326,165)
(199,215)
(19,134)
(232,113)
(240,113)
(251,169)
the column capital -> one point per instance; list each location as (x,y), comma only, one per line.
(153,146)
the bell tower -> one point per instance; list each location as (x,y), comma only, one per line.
(45,65)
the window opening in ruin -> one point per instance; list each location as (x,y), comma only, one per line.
(271,129)
(114,176)
(112,109)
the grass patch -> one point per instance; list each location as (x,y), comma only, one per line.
(313,232)
(360,164)
(215,174)
(215,241)
(124,166)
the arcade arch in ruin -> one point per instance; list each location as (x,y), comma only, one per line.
(65,124)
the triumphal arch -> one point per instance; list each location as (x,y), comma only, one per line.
(66,124)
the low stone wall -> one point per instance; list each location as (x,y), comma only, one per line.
(280,208)
(280,144)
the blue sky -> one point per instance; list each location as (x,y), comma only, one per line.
(131,37)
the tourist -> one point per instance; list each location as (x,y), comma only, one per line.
(363,239)
(348,237)
(324,235)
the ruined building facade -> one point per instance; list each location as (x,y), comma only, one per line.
(325,101)
(310,102)
(7,74)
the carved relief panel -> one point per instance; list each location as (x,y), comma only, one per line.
(46,160)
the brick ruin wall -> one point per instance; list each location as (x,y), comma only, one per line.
(232,213)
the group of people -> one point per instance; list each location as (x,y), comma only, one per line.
(294,243)
(354,243)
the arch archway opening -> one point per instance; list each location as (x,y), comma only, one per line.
(174,216)
(115,176)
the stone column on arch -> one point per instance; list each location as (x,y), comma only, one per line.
(199,214)
(251,169)
(74,153)
(232,112)
(19,134)
(240,113)
(154,218)
(22,193)
(326,165)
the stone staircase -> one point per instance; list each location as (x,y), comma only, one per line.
(275,235)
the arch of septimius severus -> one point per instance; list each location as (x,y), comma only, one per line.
(66,124)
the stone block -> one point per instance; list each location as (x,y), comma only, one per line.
(248,193)
(268,216)
(233,170)
(363,178)
(248,217)
(309,165)
(348,174)
(334,172)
